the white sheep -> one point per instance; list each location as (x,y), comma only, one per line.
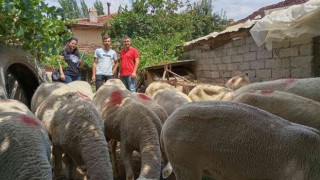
(115,82)
(169,100)
(135,126)
(24,143)
(76,129)
(151,104)
(229,140)
(45,90)
(157,85)
(236,82)
(207,92)
(307,87)
(289,106)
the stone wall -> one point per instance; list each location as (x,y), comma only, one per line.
(242,56)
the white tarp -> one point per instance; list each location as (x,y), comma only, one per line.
(292,24)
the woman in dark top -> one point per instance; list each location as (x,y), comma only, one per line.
(72,57)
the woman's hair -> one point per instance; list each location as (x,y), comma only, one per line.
(76,50)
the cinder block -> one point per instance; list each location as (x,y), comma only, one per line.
(239,42)
(263,73)
(306,49)
(237,58)
(264,54)
(222,67)
(259,64)
(244,48)
(251,56)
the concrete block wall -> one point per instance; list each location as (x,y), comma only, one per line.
(290,60)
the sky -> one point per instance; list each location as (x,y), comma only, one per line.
(235,9)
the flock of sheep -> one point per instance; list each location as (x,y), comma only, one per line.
(236,131)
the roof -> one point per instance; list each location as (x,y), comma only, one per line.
(240,28)
(101,21)
(261,11)
(218,38)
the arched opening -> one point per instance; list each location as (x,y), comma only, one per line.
(21,83)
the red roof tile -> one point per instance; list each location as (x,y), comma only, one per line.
(273,6)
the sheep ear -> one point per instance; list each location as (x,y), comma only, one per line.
(167,171)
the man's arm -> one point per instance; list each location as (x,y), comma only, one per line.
(136,65)
(94,68)
(115,66)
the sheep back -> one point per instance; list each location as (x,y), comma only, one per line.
(169,100)
(289,106)
(230,140)
(306,87)
(25,145)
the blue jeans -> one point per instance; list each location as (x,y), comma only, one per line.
(129,82)
(69,79)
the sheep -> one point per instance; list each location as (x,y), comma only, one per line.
(24,143)
(307,87)
(115,82)
(76,129)
(206,92)
(169,100)
(157,85)
(236,82)
(83,87)
(151,104)
(289,106)
(45,90)
(135,126)
(229,140)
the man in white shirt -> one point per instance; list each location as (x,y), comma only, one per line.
(105,63)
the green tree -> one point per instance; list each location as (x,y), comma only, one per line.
(157,27)
(99,7)
(71,9)
(156,35)
(205,20)
(84,8)
(33,25)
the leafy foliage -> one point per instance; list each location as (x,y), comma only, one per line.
(157,28)
(33,25)
(87,61)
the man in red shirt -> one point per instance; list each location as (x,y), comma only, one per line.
(129,62)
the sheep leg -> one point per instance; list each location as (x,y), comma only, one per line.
(57,161)
(70,167)
(113,147)
(126,155)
